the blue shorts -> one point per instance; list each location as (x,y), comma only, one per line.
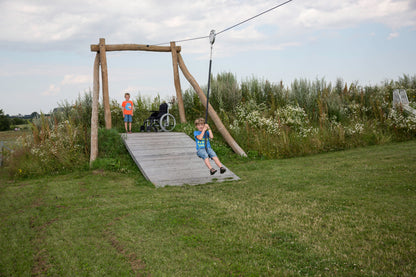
(128,118)
(203,154)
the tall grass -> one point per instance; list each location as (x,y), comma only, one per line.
(53,147)
(266,119)
(57,143)
(60,142)
(308,116)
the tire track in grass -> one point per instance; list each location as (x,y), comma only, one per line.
(41,263)
(137,265)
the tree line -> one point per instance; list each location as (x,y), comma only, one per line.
(8,122)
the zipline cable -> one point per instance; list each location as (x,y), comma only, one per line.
(212,36)
(231,27)
(275,7)
(212,40)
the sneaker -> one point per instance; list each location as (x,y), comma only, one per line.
(212,171)
(222,170)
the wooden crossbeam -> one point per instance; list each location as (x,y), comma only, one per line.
(133,47)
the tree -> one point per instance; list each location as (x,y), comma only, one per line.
(4,121)
(18,121)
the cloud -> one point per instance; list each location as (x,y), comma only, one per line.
(71,79)
(79,22)
(393,35)
(52,90)
(342,14)
(130,89)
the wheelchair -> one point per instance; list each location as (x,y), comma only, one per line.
(160,120)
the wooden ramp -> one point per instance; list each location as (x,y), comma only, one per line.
(169,159)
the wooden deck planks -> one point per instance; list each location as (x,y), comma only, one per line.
(169,159)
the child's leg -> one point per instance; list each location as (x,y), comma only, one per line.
(204,155)
(130,126)
(125,126)
(207,163)
(217,161)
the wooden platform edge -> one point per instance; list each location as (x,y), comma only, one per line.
(134,158)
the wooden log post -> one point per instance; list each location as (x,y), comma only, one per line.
(215,118)
(177,82)
(104,76)
(94,112)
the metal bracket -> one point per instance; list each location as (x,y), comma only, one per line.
(212,37)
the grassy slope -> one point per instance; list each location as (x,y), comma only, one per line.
(343,213)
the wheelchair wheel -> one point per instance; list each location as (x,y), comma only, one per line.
(167,122)
(149,127)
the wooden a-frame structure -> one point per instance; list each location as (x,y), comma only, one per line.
(101,59)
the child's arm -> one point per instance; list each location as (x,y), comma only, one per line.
(201,136)
(211,134)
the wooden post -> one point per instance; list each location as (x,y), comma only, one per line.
(177,82)
(215,118)
(94,113)
(104,76)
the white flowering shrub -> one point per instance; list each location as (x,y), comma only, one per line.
(62,148)
(356,111)
(296,118)
(292,117)
(250,113)
(49,150)
(354,129)
(402,121)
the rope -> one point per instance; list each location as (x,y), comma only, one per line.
(231,27)
(212,40)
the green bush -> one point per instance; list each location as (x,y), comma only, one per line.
(112,153)
(110,143)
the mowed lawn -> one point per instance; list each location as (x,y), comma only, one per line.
(348,213)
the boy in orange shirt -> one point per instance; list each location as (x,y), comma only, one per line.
(127,108)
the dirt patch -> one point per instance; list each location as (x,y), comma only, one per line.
(24,185)
(37,203)
(41,265)
(41,258)
(98,172)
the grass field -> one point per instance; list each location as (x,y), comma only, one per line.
(348,213)
(9,136)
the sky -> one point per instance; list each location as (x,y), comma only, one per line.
(45,57)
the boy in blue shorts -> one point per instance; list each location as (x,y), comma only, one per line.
(206,152)
(127,108)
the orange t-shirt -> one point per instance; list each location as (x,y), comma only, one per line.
(128,107)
